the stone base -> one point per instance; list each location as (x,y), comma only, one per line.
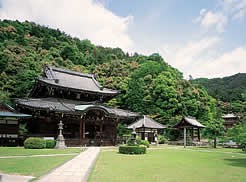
(60,142)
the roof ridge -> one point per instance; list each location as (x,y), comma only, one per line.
(52,68)
(154,121)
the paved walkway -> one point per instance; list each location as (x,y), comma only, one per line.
(14,178)
(76,170)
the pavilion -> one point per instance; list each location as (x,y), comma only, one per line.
(188,123)
(147,128)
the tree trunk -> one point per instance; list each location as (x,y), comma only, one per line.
(215,143)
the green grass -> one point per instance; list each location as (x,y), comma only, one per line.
(219,149)
(169,165)
(20,151)
(31,166)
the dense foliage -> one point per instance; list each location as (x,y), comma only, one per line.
(162,139)
(34,143)
(123,149)
(238,135)
(50,144)
(229,91)
(225,89)
(147,83)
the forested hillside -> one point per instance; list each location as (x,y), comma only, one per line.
(229,91)
(225,89)
(147,83)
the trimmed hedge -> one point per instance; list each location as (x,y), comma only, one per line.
(34,143)
(50,144)
(132,149)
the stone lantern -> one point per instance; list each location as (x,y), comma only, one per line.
(134,135)
(60,141)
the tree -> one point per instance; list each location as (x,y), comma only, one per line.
(238,135)
(4,97)
(214,129)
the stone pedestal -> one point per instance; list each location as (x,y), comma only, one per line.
(60,142)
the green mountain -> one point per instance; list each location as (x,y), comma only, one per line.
(226,89)
(147,83)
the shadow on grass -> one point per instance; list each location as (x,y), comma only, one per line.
(236,162)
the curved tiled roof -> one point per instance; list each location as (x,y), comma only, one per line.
(189,121)
(109,110)
(74,80)
(146,122)
(65,105)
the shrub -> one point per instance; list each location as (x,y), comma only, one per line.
(130,142)
(50,144)
(162,139)
(34,143)
(243,147)
(143,142)
(124,149)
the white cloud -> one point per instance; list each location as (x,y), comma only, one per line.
(217,19)
(229,63)
(227,10)
(85,19)
(201,58)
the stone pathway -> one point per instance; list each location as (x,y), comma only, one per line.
(14,178)
(76,170)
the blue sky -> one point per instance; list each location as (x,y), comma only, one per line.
(203,38)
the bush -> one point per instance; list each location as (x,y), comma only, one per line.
(130,142)
(34,143)
(243,147)
(143,142)
(132,149)
(50,144)
(162,139)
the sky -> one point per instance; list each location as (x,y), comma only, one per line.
(202,38)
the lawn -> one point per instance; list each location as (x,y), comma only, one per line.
(32,166)
(219,149)
(169,165)
(15,151)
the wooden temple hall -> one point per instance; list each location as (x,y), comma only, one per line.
(75,99)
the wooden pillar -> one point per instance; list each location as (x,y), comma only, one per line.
(198,133)
(80,131)
(192,135)
(83,131)
(115,131)
(101,129)
(184,137)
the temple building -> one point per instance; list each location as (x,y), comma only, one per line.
(230,120)
(9,125)
(75,99)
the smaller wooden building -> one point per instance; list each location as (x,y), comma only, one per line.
(189,124)
(9,125)
(147,128)
(230,120)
